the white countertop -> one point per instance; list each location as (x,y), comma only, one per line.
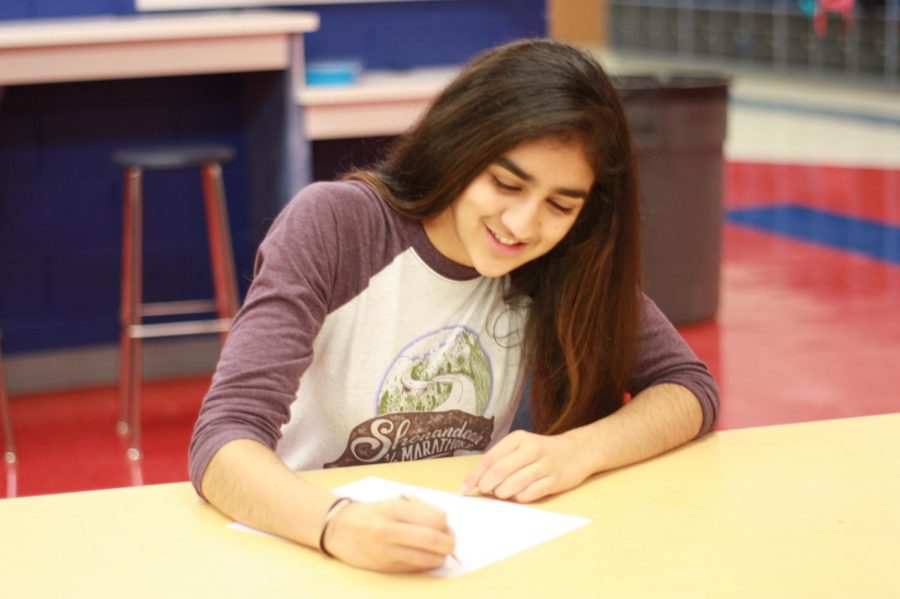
(379,103)
(381,86)
(84,49)
(134,28)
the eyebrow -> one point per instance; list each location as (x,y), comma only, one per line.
(520,173)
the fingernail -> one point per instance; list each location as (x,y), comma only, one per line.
(464,489)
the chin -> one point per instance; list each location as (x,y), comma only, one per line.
(494,270)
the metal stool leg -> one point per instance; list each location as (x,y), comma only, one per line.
(220,249)
(9,455)
(130,314)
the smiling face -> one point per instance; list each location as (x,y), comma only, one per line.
(517,209)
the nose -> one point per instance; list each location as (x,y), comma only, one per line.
(522,218)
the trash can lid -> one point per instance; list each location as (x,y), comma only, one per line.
(672,86)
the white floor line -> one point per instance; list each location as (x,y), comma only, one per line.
(766,121)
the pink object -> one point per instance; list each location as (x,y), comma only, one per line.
(842,7)
(839,6)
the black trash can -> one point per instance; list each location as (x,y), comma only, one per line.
(678,124)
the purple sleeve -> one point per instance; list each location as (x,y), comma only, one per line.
(270,342)
(664,357)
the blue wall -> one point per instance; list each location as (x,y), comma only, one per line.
(406,34)
(37,9)
(60,197)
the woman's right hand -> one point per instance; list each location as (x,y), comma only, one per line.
(396,535)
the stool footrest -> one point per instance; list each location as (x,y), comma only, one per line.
(178,329)
(180,307)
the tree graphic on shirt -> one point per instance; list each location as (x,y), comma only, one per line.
(447,369)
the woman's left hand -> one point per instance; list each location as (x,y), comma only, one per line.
(526,467)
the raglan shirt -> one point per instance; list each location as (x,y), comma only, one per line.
(360,343)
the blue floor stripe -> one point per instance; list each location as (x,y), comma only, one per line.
(873,239)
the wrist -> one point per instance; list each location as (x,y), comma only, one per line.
(588,449)
(328,519)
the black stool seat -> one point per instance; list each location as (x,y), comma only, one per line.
(173,156)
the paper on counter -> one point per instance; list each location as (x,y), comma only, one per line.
(487,530)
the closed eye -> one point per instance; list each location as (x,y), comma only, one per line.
(504,185)
(563,209)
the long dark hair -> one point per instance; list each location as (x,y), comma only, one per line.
(584,295)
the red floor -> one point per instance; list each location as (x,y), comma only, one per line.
(870,193)
(804,332)
(67,441)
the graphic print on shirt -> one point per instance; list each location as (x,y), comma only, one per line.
(431,403)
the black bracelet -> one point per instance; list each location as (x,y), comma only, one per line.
(329,516)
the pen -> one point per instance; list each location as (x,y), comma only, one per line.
(406,497)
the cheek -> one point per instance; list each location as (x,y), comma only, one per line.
(483,197)
(465,213)
(556,231)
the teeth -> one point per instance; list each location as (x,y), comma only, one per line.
(503,240)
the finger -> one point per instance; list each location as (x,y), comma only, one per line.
(415,511)
(538,489)
(506,467)
(508,445)
(470,483)
(423,522)
(404,559)
(518,481)
(421,538)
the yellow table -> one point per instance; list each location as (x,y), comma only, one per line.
(806,510)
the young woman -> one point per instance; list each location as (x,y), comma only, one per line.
(397,314)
